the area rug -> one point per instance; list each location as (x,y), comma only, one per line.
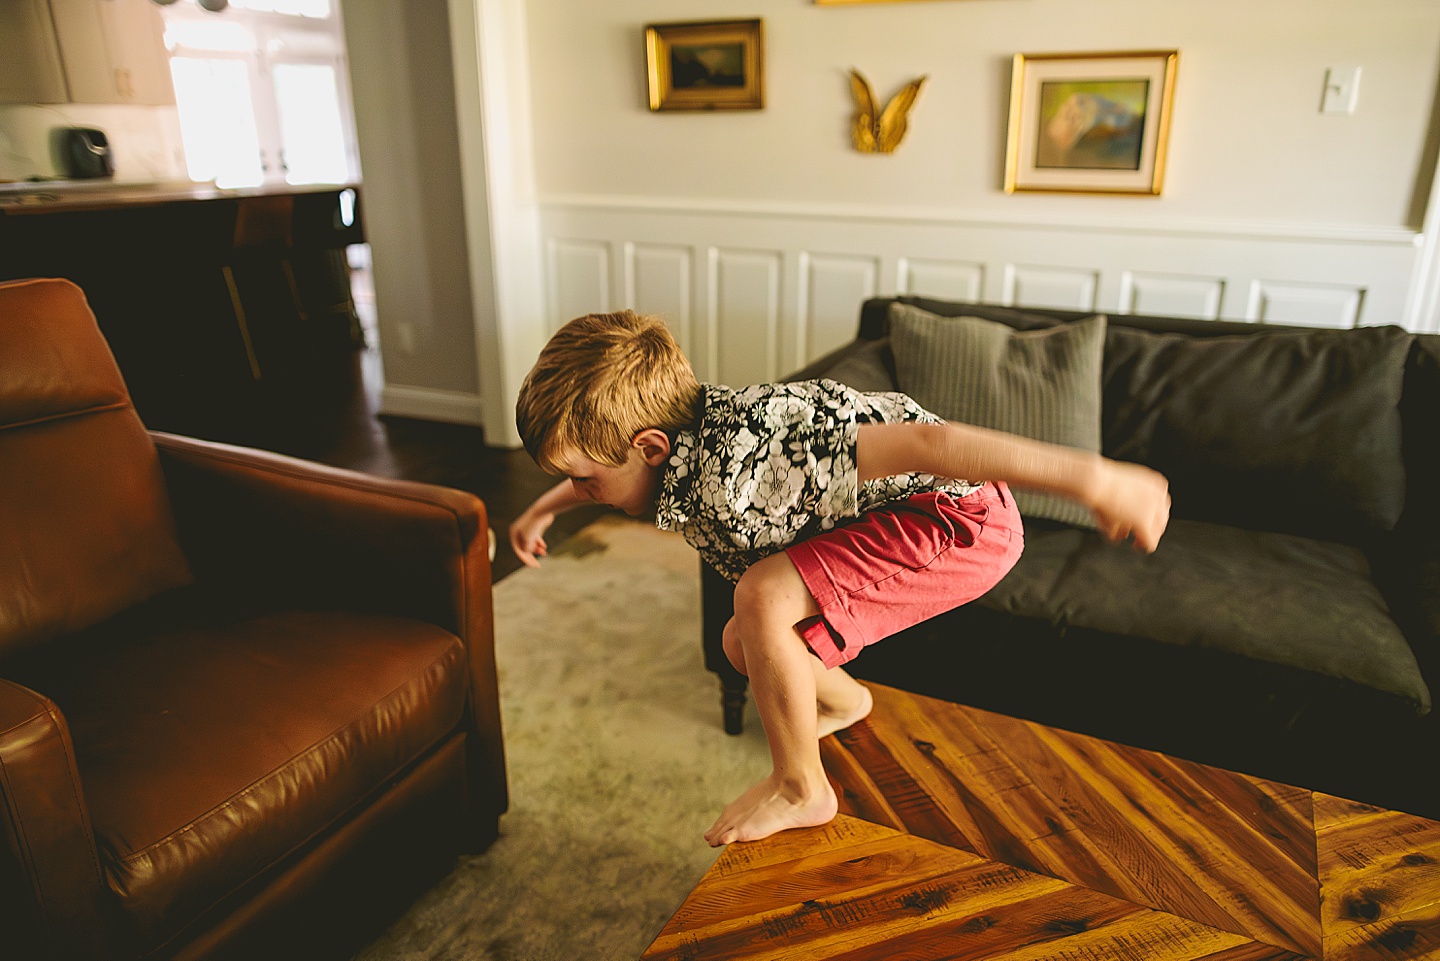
(616,755)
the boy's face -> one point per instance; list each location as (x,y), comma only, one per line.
(633,486)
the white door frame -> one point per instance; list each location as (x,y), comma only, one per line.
(1423,313)
(502,218)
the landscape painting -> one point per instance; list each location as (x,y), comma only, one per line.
(1092,124)
(705,65)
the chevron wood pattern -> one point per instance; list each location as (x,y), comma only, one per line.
(971,835)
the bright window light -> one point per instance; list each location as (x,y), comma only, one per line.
(310,125)
(262,92)
(297,8)
(217,121)
(213,34)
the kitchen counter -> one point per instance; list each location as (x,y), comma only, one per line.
(213,301)
(43,196)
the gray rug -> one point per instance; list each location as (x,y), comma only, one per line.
(617,761)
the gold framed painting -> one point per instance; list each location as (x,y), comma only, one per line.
(706,65)
(1091,122)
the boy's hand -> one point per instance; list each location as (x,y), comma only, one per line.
(1131,501)
(527,538)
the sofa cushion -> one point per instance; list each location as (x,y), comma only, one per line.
(1296,432)
(1043,383)
(1277,598)
(195,789)
(869,366)
(85,522)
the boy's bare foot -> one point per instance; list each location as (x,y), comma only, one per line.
(838,718)
(772,806)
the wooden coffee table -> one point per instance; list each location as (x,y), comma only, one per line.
(966,834)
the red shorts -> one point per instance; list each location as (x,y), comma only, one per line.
(901,564)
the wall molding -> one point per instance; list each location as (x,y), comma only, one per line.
(432,403)
(755,295)
(874,213)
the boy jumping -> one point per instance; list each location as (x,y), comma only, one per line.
(841,516)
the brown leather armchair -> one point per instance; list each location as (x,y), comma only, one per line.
(222,671)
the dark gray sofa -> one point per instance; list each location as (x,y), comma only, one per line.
(1289,621)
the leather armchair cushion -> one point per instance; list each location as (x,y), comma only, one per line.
(56,363)
(88,529)
(1277,598)
(210,751)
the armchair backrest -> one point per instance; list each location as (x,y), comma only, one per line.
(85,523)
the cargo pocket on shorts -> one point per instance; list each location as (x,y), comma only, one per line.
(927,539)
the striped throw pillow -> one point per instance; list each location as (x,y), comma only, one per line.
(1042,384)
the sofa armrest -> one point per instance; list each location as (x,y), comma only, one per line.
(271,531)
(51,890)
(1423,584)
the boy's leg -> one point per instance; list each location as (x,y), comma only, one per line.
(769,600)
(840,700)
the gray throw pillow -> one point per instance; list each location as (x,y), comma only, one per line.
(1042,384)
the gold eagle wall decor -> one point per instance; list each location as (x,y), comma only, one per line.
(877,131)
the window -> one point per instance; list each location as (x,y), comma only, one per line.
(262,92)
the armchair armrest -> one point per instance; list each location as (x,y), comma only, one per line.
(51,891)
(273,531)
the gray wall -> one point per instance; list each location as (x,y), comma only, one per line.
(402,78)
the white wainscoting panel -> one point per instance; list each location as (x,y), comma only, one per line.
(658,281)
(1171,295)
(1306,305)
(744,316)
(941,279)
(757,289)
(1060,287)
(579,279)
(833,287)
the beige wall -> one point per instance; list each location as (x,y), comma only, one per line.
(1248,144)
(1269,206)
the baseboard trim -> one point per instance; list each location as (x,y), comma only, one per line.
(431,403)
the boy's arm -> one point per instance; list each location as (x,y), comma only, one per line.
(527,534)
(1126,499)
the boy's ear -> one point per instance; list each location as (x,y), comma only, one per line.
(653,444)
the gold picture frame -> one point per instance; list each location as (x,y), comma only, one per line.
(1095,123)
(836,3)
(706,65)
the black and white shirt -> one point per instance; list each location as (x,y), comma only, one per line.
(775,463)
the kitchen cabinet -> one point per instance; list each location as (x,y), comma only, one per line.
(83,51)
(30,70)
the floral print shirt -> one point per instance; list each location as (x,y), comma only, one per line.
(772,464)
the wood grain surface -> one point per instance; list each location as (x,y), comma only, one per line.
(966,834)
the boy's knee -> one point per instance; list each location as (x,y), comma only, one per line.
(771,591)
(756,588)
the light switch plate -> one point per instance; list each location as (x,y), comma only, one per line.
(1342,90)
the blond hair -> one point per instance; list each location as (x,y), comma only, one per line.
(602,379)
